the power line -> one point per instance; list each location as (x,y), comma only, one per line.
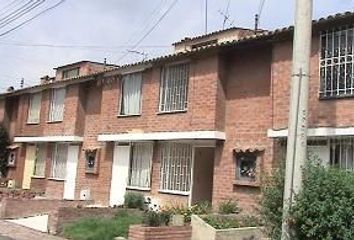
(48,45)
(32,18)
(261,6)
(150,30)
(7,20)
(9,5)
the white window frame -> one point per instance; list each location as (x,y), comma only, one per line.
(172,97)
(140,166)
(40,160)
(176,168)
(34,114)
(336,67)
(59,161)
(125,78)
(56,110)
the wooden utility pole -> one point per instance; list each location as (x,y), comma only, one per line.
(296,154)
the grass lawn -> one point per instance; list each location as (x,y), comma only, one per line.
(101,228)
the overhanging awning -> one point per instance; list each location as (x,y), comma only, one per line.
(141,136)
(49,139)
(315,132)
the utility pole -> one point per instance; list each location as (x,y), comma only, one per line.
(297,130)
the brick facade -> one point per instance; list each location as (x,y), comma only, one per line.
(242,91)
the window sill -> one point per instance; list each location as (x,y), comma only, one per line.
(128,116)
(53,122)
(57,179)
(138,188)
(174,192)
(32,123)
(172,112)
(247,183)
(38,177)
(321,97)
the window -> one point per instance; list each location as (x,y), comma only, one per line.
(342,153)
(34,110)
(176,164)
(39,165)
(246,165)
(57,105)
(59,161)
(131,94)
(336,62)
(70,73)
(174,88)
(140,165)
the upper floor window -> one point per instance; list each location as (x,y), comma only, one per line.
(336,62)
(70,73)
(174,88)
(56,112)
(34,110)
(131,94)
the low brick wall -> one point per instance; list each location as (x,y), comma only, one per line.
(17,194)
(15,208)
(65,215)
(139,232)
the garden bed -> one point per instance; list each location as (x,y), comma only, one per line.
(225,228)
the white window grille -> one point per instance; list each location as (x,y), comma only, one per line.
(176,167)
(131,94)
(336,62)
(34,110)
(56,112)
(70,73)
(39,165)
(59,161)
(140,165)
(342,153)
(174,88)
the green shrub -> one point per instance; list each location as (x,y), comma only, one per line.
(228,207)
(272,202)
(200,208)
(222,222)
(134,200)
(324,209)
(156,219)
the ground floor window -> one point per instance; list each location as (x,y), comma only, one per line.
(140,165)
(176,166)
(342,153)
(59,161)
(40,157)
(246,165)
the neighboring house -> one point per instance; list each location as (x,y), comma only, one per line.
(204,123)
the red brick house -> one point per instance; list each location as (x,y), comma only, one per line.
(204,123)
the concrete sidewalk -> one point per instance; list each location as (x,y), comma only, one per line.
(12,231)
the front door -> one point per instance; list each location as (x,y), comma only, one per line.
(29,166)
(120,173)
(71,169)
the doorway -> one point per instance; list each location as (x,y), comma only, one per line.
(203,173)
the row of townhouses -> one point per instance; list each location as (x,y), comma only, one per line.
(206,122)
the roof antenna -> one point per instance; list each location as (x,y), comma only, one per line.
(206,16)
(104,63)
(226,16)
(256,22)
(22,82)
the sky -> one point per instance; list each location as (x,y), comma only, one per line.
(97,29)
